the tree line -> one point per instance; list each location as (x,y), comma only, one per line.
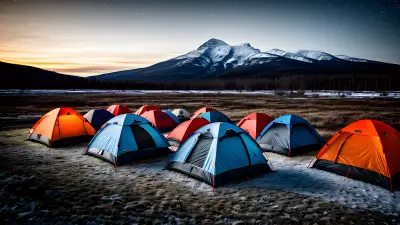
(356,82)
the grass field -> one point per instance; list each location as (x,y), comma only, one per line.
(41,185)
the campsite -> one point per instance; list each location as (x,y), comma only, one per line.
(62,184)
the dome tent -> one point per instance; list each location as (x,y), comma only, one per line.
(127,138)
(161,120)
(366,150)
(215,116)
(118,110)
(289,135)
(97,117)
(219,153)
(202,110)
(146,108)
(61,126)
(184,130)
(172,116)
(182,114)
(254,123)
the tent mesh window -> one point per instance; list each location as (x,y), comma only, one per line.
(199,152)
(143,138)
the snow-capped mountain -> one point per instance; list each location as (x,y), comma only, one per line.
(216,58)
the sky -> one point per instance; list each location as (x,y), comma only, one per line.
(91,37)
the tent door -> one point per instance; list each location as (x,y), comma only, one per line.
(199,153)
(142,137)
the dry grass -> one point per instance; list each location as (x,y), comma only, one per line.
(326,115)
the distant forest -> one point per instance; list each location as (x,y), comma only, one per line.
(294,82)
(26,77)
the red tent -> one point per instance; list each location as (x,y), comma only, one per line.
(146,108)
(254,123)
(160,119)
(118,110)
(184,130)
(202,110)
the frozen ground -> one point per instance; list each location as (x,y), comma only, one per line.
(307,93)
(294,175)
(61,185)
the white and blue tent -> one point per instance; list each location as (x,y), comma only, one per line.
(127,138)
(289,135)
(219,153)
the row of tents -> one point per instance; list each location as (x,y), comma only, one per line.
(208,146)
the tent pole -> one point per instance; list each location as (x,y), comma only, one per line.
(391,185)
(311,162)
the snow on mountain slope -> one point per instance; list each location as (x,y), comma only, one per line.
(218,55)
(317,55)
(348,58)
(243,52)
(290,55)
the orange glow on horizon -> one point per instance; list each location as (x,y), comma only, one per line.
(84,64)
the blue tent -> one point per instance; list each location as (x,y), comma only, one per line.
(219,153)
(215,116)
(289,135)
(170,114)
(97,117)
(126,138)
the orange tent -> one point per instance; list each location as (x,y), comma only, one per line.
(254,123)
(60,124)
(146,108)
(366,150)
(184,130)
(118,110)
(202,110)
(160,119)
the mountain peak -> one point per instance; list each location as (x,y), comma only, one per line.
(212,43)
(247,44)
(276,51)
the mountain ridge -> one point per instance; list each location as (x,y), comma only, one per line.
(215,57)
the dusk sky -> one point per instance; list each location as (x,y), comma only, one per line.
(90,37)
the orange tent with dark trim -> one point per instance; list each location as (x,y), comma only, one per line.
(60,124)
(146,108)
(254,123)
(160,120)
(366,150)
(118,110)
(184,130)
(202,110)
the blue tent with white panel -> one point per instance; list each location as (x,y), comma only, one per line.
(127,138)
(289,135)
(219,153)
